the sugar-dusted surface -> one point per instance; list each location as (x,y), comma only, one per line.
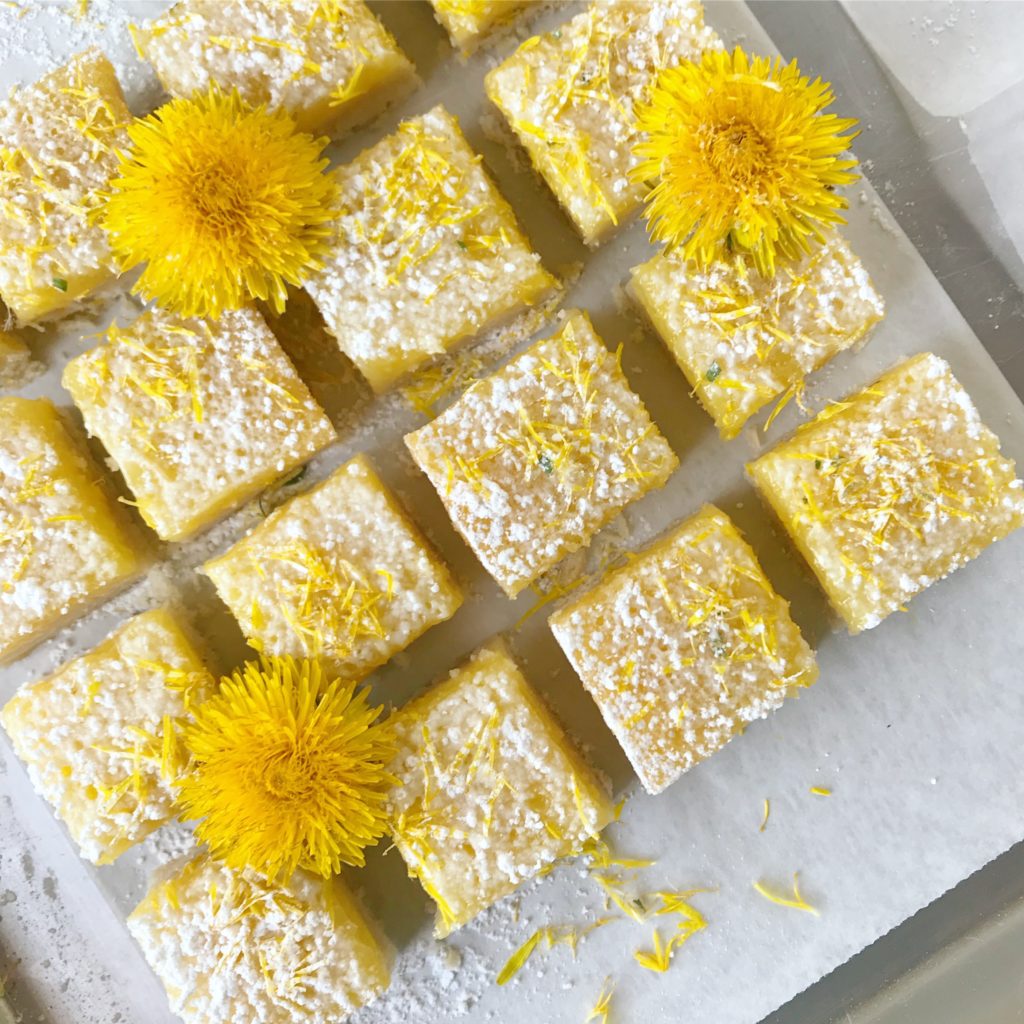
(199,415)
(100,735)
(468,22)
(490,789)
(58,141)
(63,545)
(426,252)
(329,63)
(233,949)
(684,646)
(743,340)
(340,573)
(892,489)
(533,461)
(884,727)
(570,94)
(15,361)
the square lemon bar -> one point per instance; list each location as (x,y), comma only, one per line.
(64,544)
(683,646)
(199,415)
(231,948)
(490,789)
(569,95)
(534,460)
(743,340)
(891,490)
(329,63)
(426,252)
(339,573)
(15,360)
(468,22)
(58,151)
(100,736)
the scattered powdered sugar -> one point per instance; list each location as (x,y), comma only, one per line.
(431,981)
(36,37)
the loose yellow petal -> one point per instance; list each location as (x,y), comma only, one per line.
(796,901)
(821,791)
(660,959)
(516,961)
(601,1010)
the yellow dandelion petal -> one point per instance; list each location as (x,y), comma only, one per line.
(223,202)
(601,1010)
(288,770)
(795,902)
(741,154)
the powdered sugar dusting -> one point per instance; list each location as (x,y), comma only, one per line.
(534,460)
(893,489)
(743,340)
(198,415)
(683,646)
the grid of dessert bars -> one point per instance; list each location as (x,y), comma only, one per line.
(680,647)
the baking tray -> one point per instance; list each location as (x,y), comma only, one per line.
(871,728)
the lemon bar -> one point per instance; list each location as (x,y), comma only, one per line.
(101,738)
(15,360)
(232,948)
(569,95)
(199,415)
(490,789)
(339,573)
(683,646)
(743,340)
(58,152)
(534,460)
(329,63)
(426,252)
(891,490)
(468,22)
(63,543)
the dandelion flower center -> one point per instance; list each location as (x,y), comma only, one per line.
(222,201)
(735,151)
(288,770)
(740,153)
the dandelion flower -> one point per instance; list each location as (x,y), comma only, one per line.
(288,770)
(741,154)
(223,202)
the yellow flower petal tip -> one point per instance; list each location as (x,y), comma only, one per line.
(288,770)
(740,154)
(223,202)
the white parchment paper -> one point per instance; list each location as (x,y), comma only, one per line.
(951,56)
(915,726)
